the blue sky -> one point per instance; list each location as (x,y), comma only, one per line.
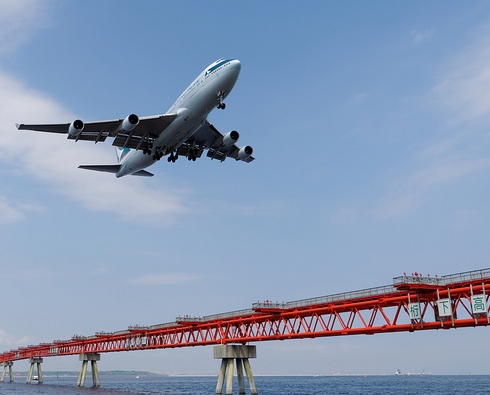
(370,125)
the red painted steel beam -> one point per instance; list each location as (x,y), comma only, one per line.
(380,313)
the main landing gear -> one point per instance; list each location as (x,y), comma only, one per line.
(191,155)
(172,157)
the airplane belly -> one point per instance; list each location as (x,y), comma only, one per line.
(173,139)
(185,125)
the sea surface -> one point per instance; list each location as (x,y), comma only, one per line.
(266,385)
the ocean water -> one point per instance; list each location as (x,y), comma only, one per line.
(266,385)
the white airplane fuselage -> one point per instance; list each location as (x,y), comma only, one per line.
(193,106)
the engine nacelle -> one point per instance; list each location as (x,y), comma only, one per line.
(130,122)
(231,138)
(245,152)
(75,128)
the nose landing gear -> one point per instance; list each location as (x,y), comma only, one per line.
(221,98)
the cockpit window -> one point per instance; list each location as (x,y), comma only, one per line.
(217,64)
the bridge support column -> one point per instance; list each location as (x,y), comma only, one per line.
(85,358)
(33,361)
(228,354)
(8,365)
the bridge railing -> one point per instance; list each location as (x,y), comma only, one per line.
(444,280)
(364,293)
(230,314)
(466,276)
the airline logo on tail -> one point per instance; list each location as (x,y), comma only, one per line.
(121,154)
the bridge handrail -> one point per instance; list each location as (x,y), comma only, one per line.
(444,280)
(231,314)
(364,293)
(466,276)
(422,280)
(163,326)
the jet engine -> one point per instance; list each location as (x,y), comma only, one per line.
(245,152)
(130,122)
(75,128)
(231,138)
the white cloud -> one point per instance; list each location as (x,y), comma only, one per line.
(464,87)
(421,36)
(419,187)
(163,279)
(8,213)
(462,96)
(19,19)
(13,212)
(54,160)
(8,340)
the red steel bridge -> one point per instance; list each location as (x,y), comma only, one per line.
(412,303)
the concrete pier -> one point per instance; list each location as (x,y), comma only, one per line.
(228,355)
(85,358)
(8,365)
(35,361)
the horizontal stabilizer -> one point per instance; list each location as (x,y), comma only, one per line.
(105,168)
(114,169)
(143,173)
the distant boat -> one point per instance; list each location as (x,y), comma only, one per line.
(35,378)
(398,372)
(137,377)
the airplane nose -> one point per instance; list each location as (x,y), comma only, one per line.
(235,67)
(236,64)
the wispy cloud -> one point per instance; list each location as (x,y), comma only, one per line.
(9,213)
(19,19)
(15,211)
(52,159)
(164,279)
(8,340)
(464,87)
(421,36)
(462,95)
(419,187)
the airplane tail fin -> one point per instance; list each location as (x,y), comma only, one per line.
(121,153)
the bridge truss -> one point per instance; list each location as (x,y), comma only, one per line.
(413,303)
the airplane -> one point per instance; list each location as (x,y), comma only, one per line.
(182,131)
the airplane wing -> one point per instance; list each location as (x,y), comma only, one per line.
(208,137)
(147,129)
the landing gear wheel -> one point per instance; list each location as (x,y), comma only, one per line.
(221,98)
(172,158)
